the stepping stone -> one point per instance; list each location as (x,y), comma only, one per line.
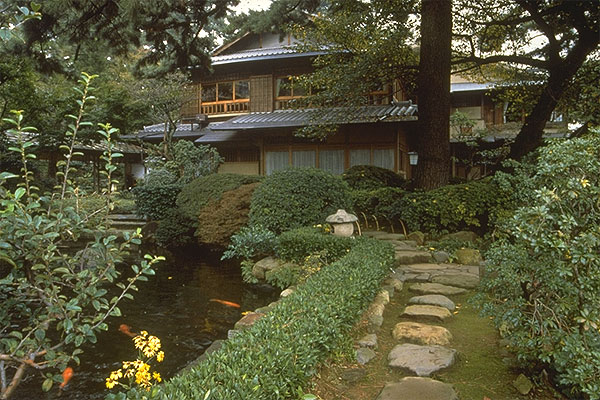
(462,280)
(364,355)
(426,267)
(412,257)
(435,288)
(401,245)
(369,340)
(390,236)
(413,388)
(441,256)
(433,300)
(422,333)
(421,360)
(416,277)
(426,312)
(353,374)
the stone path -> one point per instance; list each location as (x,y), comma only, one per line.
(424,346)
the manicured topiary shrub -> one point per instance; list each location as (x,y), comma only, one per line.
(543,284)
(154,198)
(219,219)
(279,353)
(174,230)
(368,177)
(198,193)
(298,197)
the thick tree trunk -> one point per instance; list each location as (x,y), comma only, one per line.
(433,143)
(531,135)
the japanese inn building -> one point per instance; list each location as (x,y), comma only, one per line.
(243,110)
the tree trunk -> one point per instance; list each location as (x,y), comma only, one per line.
(433,142)
(531,134)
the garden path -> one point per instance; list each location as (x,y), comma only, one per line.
(424,344)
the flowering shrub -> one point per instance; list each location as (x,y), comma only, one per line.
(543,285)
(138,371)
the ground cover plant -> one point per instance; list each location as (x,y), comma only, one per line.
(543,285)
(293,338)
(297,197)
(54,299)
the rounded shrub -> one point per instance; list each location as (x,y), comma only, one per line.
(297,197)
(369,177)
(198,193)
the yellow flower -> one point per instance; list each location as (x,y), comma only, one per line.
(584,182)
(160,356)
(156,376)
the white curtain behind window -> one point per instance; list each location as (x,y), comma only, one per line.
(383,158)
(332,161)
(276,160)
(304,158)
(360,157)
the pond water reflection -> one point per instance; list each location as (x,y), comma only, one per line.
(173,305)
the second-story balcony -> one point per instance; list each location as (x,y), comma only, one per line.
(225,107)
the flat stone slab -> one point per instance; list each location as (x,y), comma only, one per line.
(424,334)
(433,300)
(369,340)
(463,280)
(414,388)
(435,288)
(401,245)
(427,312)
(425,267)
(421,360)
(389,236)
(364,355)
(413,257)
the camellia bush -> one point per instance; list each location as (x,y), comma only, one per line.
(53,299)
(542,287)
(297,197)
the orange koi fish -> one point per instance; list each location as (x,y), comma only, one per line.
(66,375)
(126,329)
(226,303)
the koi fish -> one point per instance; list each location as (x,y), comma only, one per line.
(126,329)
(66,375)
(226,303)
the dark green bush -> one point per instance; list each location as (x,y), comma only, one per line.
(280,352)
(199,192)
(174,230)
(453,207)
(299,243)
(153,201)
(250,242)
(384,202)
(368,177)
(298,197)
(543,285)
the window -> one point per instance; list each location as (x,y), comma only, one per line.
(332,161)
(304,158)
(383,158)
(289,87)
(225,91)
(360,157)
(276,160)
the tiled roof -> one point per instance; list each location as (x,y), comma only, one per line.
(156,131)
(262,54)
(401,111)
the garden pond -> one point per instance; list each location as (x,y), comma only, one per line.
(176,305)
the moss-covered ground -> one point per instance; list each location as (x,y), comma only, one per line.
(483,371)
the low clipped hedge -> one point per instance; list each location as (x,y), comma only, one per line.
(453,207)
(384,202)
(296,244)
(281,351)
(297,197)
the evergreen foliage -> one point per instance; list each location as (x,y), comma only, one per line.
(542,287)
(298,197)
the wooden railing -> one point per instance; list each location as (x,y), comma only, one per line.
(225,107)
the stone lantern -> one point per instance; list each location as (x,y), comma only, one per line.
(342,223)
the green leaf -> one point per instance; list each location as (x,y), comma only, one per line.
(47,385)
(40,334)
(19,193)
